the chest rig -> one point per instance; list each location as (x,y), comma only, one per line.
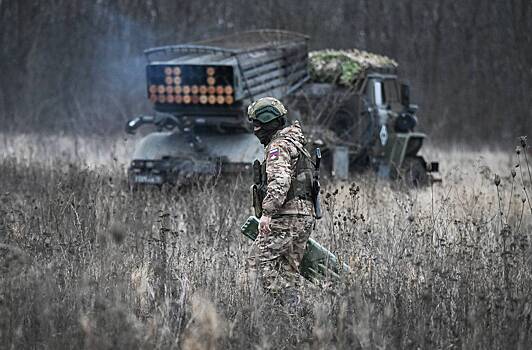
(301,185)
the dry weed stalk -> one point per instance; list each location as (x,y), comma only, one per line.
(442,267)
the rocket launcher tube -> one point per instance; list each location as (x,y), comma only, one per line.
(317,261)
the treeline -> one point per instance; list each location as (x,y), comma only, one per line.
(77,65)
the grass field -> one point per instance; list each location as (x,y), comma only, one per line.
(86,263)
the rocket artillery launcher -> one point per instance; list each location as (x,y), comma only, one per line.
(351,104)
(200,92)
(317,263)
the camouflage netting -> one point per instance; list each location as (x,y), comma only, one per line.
(344,66)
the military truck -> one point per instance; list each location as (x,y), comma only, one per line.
(200,93)
(361,114)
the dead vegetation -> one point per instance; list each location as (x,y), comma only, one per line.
(86,263)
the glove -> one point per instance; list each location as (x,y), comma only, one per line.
(264,225)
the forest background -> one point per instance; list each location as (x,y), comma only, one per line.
(76,66)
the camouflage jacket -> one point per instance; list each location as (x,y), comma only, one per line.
(281,158)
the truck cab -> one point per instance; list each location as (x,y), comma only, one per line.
(369,125)
(396,152)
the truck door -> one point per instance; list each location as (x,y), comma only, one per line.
(380,109)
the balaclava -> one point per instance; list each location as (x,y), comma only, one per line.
(267,130)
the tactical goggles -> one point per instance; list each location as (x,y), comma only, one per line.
(265,114)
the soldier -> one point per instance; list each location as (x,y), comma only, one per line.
(285,198)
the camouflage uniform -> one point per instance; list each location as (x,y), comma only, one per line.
(277,256)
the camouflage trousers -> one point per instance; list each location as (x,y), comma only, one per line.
(275,258)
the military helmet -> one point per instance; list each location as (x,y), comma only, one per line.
(265,110)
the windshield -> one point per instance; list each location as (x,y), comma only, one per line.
(378,93)
(384,92)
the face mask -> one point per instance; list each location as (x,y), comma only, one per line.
(265,133)
(264,136)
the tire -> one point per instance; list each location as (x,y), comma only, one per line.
(414,173)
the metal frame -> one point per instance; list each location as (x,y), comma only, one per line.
(202,46)
(257,77)
(187,49)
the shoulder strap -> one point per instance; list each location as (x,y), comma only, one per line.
(303,151)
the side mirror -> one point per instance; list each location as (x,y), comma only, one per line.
(135,123)
(132,125)
(405,95)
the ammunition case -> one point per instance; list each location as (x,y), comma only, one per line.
(318,263)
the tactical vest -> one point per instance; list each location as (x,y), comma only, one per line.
(301,182)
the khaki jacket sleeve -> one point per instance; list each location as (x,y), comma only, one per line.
(279,174)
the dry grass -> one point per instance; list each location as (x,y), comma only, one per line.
(86,263)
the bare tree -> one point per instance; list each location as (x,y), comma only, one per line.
(73,63)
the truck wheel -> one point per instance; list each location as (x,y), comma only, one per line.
(414,172)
